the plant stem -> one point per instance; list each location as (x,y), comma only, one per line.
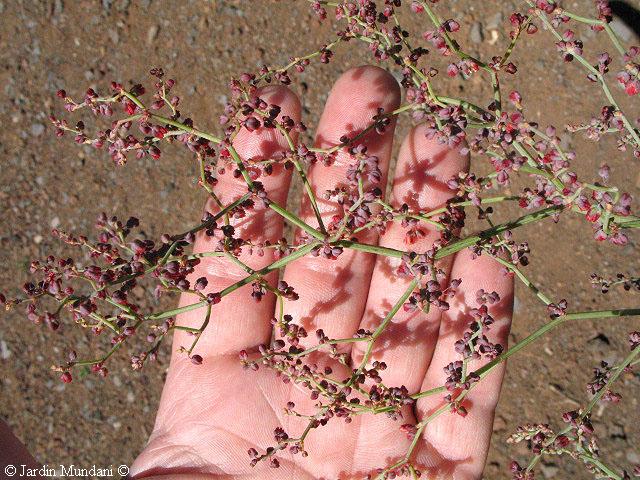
(301,252)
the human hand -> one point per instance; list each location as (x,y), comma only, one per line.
(211,414)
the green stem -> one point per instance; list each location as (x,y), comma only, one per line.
(594,72)
(301,252)
(383,325)
(523,278)
(547,327)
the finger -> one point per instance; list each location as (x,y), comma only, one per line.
(333,292)
(407,343)
(455,447)
(237,322)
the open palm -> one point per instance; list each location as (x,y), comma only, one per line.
(211,414)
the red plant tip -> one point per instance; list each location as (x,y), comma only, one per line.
(516,99)
(214,298)
(451,25)
(154,152)
(452,70)
(66,377)
(252,124)
(632,88)
(511,68)
(562,441)
(201,284)
(247,77)
(130,108)
(416,7)
(61,94)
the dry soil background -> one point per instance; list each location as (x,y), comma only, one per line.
(44,183)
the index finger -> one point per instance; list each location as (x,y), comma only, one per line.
(238,322)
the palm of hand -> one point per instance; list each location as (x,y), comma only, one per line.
(212,414)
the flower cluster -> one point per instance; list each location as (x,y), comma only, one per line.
(100,295)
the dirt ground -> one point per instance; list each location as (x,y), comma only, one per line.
(45,183)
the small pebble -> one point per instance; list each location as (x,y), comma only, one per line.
(5,353)
(114,36)
(495,22)
(549,470)
(476,34)
(633,457)
(37,129)
(152,33)
(124,5)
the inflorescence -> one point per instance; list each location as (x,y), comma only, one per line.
(98,296)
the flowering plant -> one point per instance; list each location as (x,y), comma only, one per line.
(428,338)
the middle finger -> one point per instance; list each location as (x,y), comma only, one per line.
(333,292)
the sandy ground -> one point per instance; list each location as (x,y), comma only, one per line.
(44,183)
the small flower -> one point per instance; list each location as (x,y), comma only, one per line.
(200,284)
(252,124)
(214,298)
(557,309)
(451,25)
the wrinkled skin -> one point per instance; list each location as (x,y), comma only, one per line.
(211,414)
